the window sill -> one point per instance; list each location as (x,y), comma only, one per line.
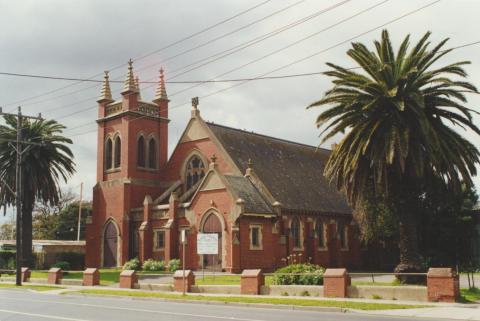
(159,249)
(113,170)
(146,169)
(322,249)
(345,249)
(298,249)
(256,248)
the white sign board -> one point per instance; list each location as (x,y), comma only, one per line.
(207,243)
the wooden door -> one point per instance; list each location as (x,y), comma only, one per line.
(110,240)
(213,225)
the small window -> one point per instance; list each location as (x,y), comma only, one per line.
(141,152)
(159,239)
(195,171)
(296,233)
(118,152)
(343,236)
(108,154)
(320,234)
(256,237)
(152,153)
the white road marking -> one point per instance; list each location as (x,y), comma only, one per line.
(126,309)
(46,316)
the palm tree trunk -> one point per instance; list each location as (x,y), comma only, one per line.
(408,243)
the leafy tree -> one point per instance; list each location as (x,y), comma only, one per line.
(394,113)
(6,231)
(60,221)
(45,164)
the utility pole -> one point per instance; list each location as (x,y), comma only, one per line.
(18,186)
(80,211)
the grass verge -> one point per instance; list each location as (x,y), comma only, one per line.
(259,300)
(470,295)
(107,276)
(31,287)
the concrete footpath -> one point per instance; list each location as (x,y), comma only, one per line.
(450,311)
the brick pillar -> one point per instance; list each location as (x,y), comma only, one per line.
(178,280)
(251,282)
(25,274)
(91,277)
(335,283)
(55,275)
(128,279)
(442,285)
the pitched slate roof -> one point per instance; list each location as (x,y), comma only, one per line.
(244,189)
(291,171)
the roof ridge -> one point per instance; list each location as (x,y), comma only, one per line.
(267,136)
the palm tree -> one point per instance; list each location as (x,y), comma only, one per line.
(45,164)
(395,114)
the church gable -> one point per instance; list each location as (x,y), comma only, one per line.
(194,131)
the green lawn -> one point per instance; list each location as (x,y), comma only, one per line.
(217,279)
(107,276)
(470,295)
(31,287)
(260,300)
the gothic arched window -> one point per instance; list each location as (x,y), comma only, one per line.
(108,153)
(141,152)
(195,171)
(320,234)
(152,153)
(296,236)
(118,152)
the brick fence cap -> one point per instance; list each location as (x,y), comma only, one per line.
(335,272)
(440,272)
(251,273)
(25,269)
(90,270)
(55,270)
(179,273)
(127,273)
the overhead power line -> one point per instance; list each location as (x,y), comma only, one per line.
(150,53)
(200,81)
(169,58)
(264,76)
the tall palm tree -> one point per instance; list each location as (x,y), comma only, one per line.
(45,165)
(395,114)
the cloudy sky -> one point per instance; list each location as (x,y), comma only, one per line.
(80,39)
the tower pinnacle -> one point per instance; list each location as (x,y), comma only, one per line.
(161,92)
(105,93)
(129,86)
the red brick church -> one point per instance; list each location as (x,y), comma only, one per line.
(266,198)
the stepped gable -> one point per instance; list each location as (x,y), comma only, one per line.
(292,172)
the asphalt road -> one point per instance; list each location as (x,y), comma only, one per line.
(26,305)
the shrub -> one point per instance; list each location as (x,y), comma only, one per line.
(173,265)
(133,264)
(76,260)
(63,265)
(6,259)
(305,293)
(292,274)
(153,265)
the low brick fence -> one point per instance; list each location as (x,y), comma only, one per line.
(442,285)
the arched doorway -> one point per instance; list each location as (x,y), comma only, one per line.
(110,245)
(212,224)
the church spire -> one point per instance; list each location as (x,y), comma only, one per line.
(161,92)
(105,93)
(129,86)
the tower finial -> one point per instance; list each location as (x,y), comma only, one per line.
(195,103)
(161,92)
(105,93)
(129,85)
